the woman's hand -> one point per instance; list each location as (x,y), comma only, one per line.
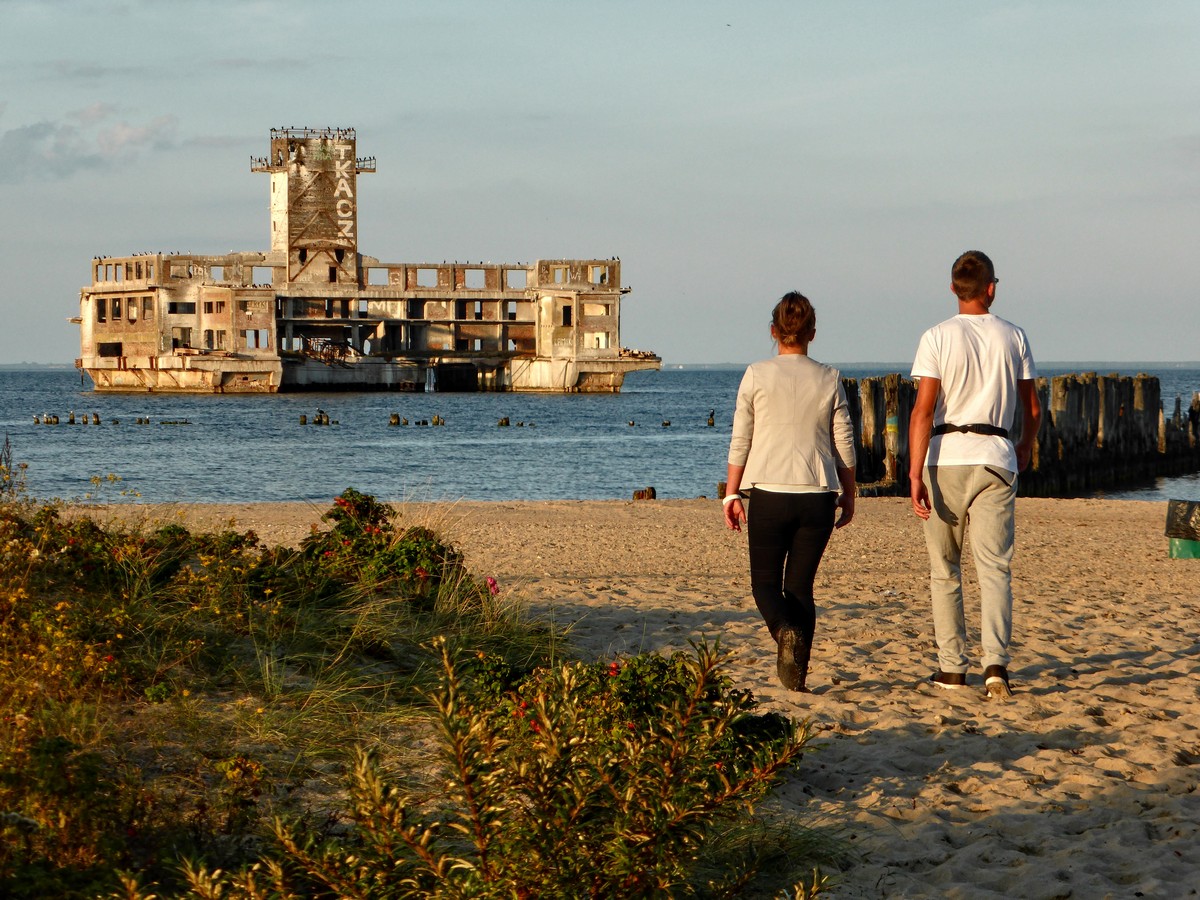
(735,514)
(846,504)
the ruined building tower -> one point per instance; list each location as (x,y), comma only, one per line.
(313,313)
(314,202)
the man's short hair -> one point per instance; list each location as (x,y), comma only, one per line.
(971,274)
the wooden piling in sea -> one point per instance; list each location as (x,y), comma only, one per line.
(1097,432)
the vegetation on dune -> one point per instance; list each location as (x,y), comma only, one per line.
(201,715)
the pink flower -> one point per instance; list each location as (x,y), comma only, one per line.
(493,587)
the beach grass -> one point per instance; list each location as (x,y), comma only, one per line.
(203,715)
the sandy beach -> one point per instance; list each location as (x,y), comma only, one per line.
(1083,785)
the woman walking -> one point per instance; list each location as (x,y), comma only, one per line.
(792,451)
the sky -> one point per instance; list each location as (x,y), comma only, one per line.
(726,152)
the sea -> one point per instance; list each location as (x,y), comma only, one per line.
(247,448)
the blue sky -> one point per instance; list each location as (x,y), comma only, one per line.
(727,152)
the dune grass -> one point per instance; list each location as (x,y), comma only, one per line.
(201,715)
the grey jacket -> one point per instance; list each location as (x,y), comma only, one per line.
(792,424)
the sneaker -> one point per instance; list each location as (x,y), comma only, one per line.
(949,680)
(995,682)
(791,676)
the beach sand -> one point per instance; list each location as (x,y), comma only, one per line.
(1083,785)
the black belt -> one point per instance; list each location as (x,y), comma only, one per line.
(971,429)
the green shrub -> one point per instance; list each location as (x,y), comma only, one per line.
(581,785)
(364,545)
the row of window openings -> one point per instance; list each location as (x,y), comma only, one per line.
(129,271)
(214,339)
(217,307)
(130,309)
(416,309)
(174,308)
(476,279)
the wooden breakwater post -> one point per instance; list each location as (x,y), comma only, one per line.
(1097,432)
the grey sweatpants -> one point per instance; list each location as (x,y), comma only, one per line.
(981,498)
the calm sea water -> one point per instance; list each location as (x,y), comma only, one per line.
(251,448)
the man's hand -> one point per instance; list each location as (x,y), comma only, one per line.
(920,498)
(1024,455)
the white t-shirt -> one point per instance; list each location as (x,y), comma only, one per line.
(979,360)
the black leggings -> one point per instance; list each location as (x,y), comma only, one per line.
(787,535)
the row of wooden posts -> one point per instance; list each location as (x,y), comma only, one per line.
(1097,432)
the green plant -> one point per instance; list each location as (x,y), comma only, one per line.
(580,787)
(12,475)
(152,653)
(364,545)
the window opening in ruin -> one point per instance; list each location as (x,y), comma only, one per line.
(255,338)
(566,316)
(476,279)
(558,274)
(339,254)
(128,271)
(595,309)
(109,349)
(303,255)
(333,273)
(118,272)
(377,275)
(116,309)
(131,309)
(181,338)
(478,345)
(99,275)
(101,309)
(427,277)
(181,308)
(147,308)
(263,275)
(460,344)
(328,307)
(217,273)
(510,310)
(149,270)
(362,309)
(345,308)
(516,279)
(208,339)
(137,271)
(416,309)
(478,309)
(598,274)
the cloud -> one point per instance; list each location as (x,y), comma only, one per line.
(57,150)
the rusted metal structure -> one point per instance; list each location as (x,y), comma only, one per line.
(313,313)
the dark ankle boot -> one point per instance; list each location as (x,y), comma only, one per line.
(792,661)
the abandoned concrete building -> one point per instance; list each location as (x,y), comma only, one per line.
(312,313)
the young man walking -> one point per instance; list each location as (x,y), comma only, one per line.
(975,373)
